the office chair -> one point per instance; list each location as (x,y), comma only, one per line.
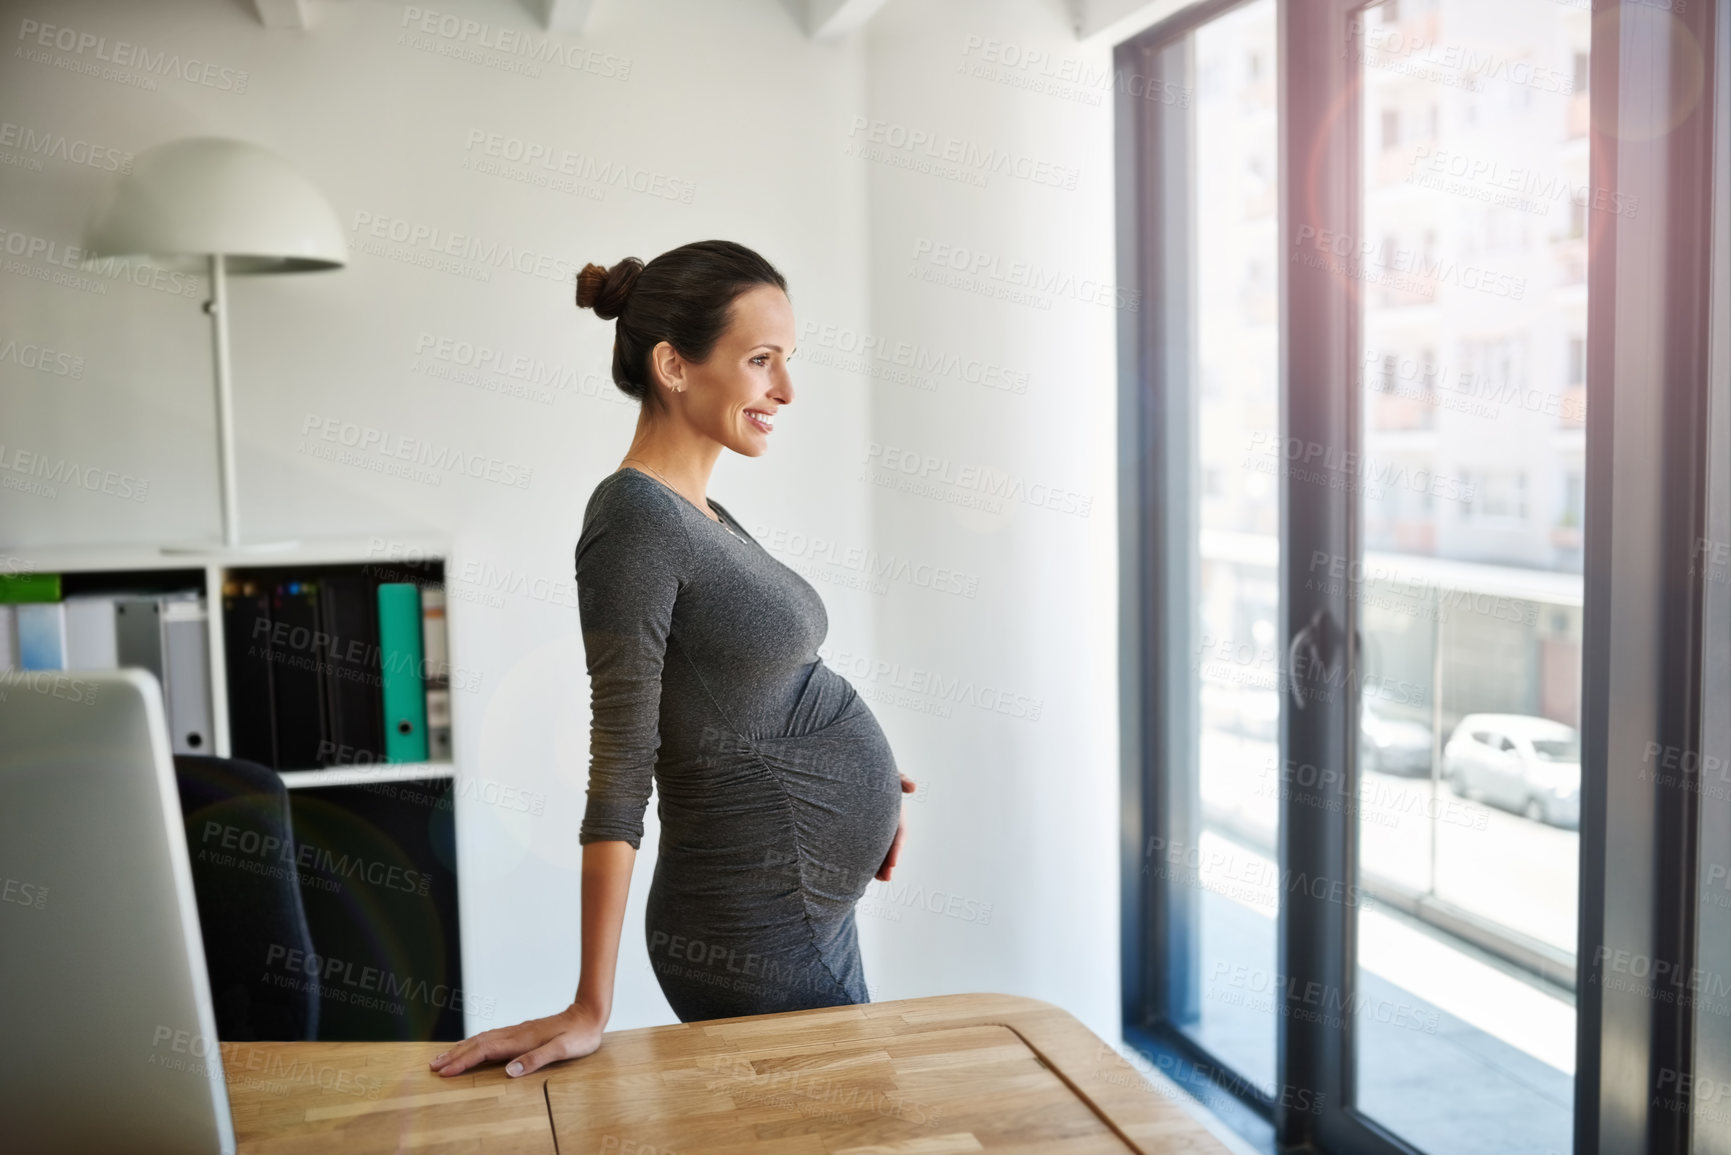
(240,839)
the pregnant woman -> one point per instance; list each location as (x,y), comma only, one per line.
(779,798)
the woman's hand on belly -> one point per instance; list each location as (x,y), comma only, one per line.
(883,874)
(570,1034)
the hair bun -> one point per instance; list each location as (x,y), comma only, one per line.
(606,290)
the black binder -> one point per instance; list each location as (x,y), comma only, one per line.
(246,627)
(354,694)
(302,723)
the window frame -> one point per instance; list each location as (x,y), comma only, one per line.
(1712,1042)
(1649,303)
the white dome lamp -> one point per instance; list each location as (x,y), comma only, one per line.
(218,206)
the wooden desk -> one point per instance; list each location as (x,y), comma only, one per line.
(955,1073)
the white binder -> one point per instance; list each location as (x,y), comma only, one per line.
(91,642)
(8,637)
(186,662)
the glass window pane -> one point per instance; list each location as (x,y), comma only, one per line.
(1224,548)
(1472,292)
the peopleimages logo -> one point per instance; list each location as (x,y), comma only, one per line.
(916,357)
(987,269)
(30,247)
(1317,1002)
(1462,65)
(42,359)
(1065,77)
(1400,267)
(431,241)
(1332,466)
(364,439)
(1213,869)
(37,144)
(1527,187)
(871,676)
(31,894)
(478,34)
(1464,390)
(507,372)
(122,54)
(984,481)
(579,166)
(334,974)
(249,848)
(982,160)
(50,472)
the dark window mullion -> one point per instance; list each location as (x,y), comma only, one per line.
(1712,1057)
(1648,290)
(1156,222)
(1320,178)
(1152,457)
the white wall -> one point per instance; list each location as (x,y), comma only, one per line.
(1023,807)
(1019,810)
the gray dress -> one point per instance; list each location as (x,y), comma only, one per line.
(777,792)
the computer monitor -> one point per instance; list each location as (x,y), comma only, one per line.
(110,1039)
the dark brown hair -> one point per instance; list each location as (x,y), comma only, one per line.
(684,297)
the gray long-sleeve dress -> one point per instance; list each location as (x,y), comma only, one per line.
(778,793)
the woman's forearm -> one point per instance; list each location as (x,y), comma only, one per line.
(575,1031)
(606,883)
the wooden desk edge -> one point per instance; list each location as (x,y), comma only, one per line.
(1146,1113)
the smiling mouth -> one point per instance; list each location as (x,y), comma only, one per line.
(761,419)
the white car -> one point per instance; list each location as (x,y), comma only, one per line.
(1526,764)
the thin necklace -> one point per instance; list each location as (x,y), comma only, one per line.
(720,521)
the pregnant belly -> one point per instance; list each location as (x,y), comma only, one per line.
(845,792)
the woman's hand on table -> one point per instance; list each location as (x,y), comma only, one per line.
(570,1034)
(883,874)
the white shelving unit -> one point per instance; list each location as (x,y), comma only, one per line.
(220,565)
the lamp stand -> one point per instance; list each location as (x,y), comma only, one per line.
(217,308)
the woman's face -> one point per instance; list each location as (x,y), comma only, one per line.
(733,397)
